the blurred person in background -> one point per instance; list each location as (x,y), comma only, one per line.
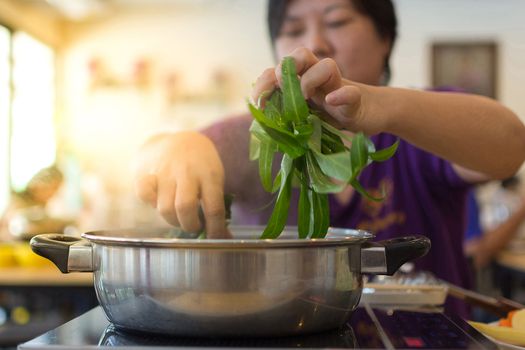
(27,213)
(505,220)
(342,49)
(490,231)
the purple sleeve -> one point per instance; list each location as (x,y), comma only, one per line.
(433,169)
(446,172)
(232,140)
(440,171)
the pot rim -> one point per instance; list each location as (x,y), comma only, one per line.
(248,237)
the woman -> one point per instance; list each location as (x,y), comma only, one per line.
(341,49)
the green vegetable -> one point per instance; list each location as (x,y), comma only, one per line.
(314,154)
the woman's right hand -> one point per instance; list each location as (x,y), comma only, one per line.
(175,173)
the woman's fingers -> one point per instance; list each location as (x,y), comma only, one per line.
(303,58)
(146,189)
(316,75)
(264,86)
(271,77)
(166,199)
(347,95)
(322,77)
(181,208)
(322,83)
(214,211)
(187,204)
(344,105)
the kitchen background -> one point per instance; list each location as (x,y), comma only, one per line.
(83,83)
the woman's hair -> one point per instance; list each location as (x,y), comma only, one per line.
(381,12)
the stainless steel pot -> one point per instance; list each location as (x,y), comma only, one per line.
(244,286)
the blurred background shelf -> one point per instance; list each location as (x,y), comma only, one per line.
(35,296)
(34,300)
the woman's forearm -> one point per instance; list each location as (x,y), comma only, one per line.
(471,131)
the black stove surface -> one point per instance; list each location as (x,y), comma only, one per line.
(378,328)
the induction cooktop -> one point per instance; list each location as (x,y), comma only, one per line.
(369,328)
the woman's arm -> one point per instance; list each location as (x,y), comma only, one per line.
(477,134)
(480,136)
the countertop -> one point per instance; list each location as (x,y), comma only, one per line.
(512,259)
(369,328)
(42,276)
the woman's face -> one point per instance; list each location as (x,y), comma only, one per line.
(335,29)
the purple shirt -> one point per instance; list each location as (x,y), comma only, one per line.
(424,196)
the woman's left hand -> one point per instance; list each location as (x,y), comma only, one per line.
(347,104)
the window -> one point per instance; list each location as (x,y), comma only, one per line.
(32,127)
(27,107)
(5,97)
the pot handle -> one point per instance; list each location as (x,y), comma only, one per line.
(66,252)
(385,257)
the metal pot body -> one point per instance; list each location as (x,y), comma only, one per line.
(221,292)
(155,281)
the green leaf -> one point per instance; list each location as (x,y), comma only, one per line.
(385,153)
(325,217)
(359,188)
(319,182)
(279,215)
(358,154)
(314,142)
(277,182)
(297,175)
(370,145)
(336,165)
(304,217)
(294,105)
(334,130)
(286,166)
(371,149)
(273,107)
(255,147)
(286,140)
(257,130)
(303,132)
(267,150)
(320,214)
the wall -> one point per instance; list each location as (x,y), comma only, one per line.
(188,41)
(422,22)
